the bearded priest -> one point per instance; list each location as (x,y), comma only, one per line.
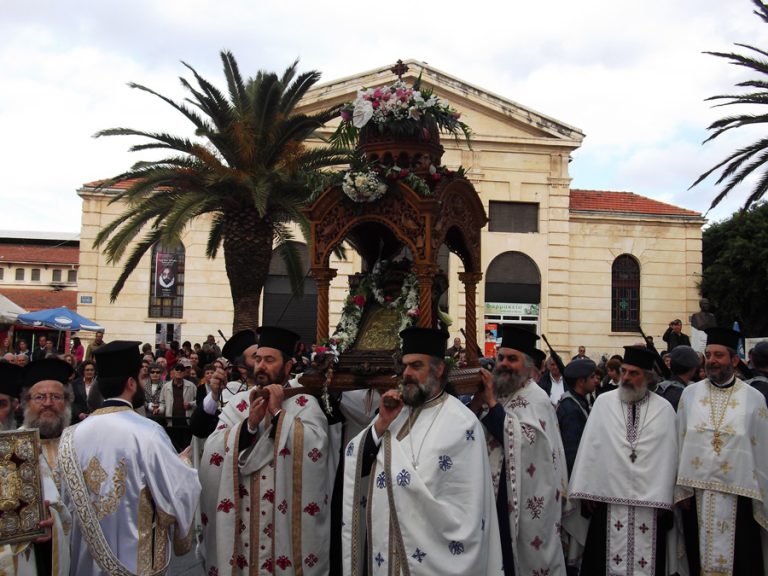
(46,407)
(623,480)
(722,481)
(265,505)
(528,464)
(418,498)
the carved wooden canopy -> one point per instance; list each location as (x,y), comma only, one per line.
(453,215)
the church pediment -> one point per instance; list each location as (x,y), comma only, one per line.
(489,115)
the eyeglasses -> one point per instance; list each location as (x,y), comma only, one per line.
(154,371)
(40,398)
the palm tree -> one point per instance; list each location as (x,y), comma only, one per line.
(247,168)
(743,162)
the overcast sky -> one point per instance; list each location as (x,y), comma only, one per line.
(630,75)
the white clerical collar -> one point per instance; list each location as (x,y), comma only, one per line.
(123,400)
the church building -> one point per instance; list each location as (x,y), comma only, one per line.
(584,267)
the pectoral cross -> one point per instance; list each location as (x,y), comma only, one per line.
(717,442)
(633,456)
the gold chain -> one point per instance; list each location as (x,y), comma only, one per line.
(717,441)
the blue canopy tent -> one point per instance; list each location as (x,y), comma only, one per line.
(61,318)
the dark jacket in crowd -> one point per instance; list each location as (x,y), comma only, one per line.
(572,413)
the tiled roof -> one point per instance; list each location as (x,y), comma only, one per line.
(40,254)
(624,202)
(41,299)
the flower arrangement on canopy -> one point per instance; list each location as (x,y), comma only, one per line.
(399,109)
(370,182)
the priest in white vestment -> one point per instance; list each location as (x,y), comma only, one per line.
(722,479)
(266,495)
(129,493)
(417,493)
(621,490)
(47,409)
(527,459)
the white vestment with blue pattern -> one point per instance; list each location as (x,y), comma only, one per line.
(429,507)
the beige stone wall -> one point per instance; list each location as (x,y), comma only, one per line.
(669,254)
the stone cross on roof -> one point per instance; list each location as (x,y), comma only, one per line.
(400,68)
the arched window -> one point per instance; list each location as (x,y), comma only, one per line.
(166,289)
(625,294)
(513,277)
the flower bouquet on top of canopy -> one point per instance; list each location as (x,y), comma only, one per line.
(400,110)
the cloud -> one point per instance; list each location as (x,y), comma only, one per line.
(631,75)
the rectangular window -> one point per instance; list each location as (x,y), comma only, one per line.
(521,217)
(2,273)
(19,273)
(35,274)
(56,276)
(71,276)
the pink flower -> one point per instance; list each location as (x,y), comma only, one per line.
(413,312)
(321,350)
(346,116)
(377,93)
(359,300)
(375,104)
(386,96)
(456,115)
(404,173)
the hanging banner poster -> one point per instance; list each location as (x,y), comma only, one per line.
(165,274)
(491,335)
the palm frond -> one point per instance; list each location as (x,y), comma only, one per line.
(130,265)
(215,235)
(730,122)
(191,116)
(297,89)
(237,92)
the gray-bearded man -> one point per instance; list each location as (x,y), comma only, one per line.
(428,506)
(46,405)
(623,479)
(527,460)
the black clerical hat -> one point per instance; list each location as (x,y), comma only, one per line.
(119,358)
(639,356)
(538,357)
(519,339)
(237,344)
(427,341)
(723,336)
(10,379)
(278,338)
(46,369)
(579,368)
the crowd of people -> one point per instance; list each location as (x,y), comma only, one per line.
(638,465)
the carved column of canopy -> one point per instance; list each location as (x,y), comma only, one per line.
(470,281)
(323,277)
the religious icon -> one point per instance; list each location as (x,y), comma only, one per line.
(21,494)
